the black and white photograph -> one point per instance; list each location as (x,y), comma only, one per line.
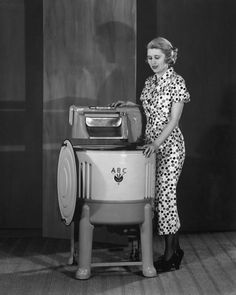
(118,147)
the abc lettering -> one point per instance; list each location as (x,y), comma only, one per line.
(118,170)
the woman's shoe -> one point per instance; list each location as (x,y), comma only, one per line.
(167,265)
(160,258)
(180,254)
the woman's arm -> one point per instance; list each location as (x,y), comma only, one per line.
(121,103)
(176,112)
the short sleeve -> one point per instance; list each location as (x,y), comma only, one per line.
(145,89)
(179,90)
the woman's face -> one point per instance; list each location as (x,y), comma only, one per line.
(156,61)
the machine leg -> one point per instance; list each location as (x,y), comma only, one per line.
(72,244)
(85,245)
(146,243)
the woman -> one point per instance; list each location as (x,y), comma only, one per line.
(163,98)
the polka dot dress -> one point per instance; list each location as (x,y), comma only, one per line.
(157,98)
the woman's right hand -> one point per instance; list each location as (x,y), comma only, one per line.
(119,103)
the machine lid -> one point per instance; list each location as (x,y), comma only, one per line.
(67,182)
(99,147)
(105,146)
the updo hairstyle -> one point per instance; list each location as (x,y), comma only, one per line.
(166,47)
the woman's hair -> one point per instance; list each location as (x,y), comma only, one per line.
(166,47)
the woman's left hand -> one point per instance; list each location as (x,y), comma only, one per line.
(149,149)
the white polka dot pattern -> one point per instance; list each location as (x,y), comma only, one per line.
(157,98)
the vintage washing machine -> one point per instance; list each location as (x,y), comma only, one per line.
(104,179)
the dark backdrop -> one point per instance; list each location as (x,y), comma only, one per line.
(203,31)
(21,94)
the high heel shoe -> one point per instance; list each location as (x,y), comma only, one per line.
(180,254)
(170,264)
(160,258)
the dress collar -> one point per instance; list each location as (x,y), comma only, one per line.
(167,75)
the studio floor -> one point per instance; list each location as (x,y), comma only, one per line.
(34,265)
